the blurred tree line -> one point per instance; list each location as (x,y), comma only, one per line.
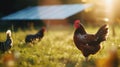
(10,6)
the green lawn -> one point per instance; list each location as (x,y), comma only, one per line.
(56,49)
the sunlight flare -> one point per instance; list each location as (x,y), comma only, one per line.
(109,8)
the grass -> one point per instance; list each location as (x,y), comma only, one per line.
(56,49)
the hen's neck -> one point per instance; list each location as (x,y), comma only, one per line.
(80,31)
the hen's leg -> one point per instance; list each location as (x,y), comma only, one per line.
(86,58)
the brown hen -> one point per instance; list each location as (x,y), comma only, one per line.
(88,43)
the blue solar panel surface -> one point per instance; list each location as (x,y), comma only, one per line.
(47,12)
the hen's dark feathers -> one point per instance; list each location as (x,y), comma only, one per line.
(32,37)
(81,30)
(102,33)
(89,43)
(5,46)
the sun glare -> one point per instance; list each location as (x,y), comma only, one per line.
(108,2)
(106,19)
(109,7)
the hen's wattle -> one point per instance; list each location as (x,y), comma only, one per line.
(88,43)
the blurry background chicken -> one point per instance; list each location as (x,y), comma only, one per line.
(5,46)
(88,43)
(30,38)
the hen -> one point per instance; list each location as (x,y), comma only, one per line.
(30,38)
(5,46)
(88,43)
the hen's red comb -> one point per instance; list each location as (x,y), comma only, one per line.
(76,23)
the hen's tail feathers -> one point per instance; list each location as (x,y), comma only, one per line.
(102,33)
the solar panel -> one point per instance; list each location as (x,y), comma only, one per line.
(47,12)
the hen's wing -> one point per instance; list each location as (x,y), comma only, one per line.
(102,33)
(29,38)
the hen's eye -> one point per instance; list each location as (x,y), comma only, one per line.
(85,36)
